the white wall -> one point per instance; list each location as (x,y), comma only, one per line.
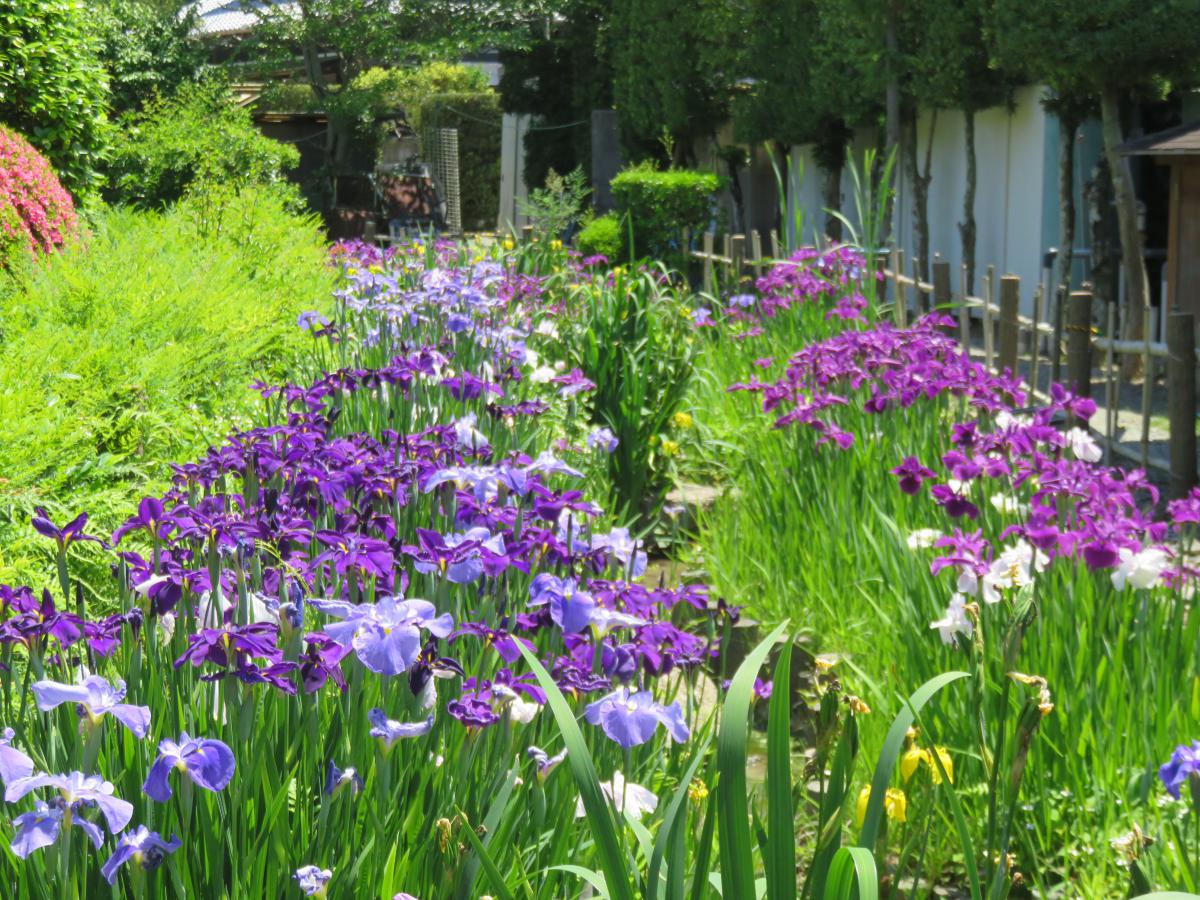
(1011,168)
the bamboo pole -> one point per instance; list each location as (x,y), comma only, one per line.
(1036,349)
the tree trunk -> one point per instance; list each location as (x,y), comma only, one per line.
(1067,126)
(1137,287)
(832,201)
(967,228)
(831,157)
(892,108)
(920,189)
(738,225)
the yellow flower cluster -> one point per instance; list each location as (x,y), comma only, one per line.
(682,420)
(669,447)
(914,756)
(895,803)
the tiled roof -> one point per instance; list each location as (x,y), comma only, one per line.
(221,17)
(1183,140)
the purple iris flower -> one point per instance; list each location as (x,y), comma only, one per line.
(337,779)
(574,382)
(386,636)
(313,881)
(911,473)
(354,553)
(306,320)
(473,711)
(76,791)
(13,763)
(624,547)
(549,464)
(603,438)
(545,762)
(1183,766)
(95,698)
(632,718)
(65,536)
(150,517)
(207,761)
(321,662)
(389,730)
(571,608)
(143,847)
(221,645)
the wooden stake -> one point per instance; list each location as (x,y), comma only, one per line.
(1010,301)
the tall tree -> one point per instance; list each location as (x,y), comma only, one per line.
(951,68)
(147,48)
(1109,48)
(671,77)
(559,77)
(364,33)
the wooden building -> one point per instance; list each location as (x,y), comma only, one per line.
(1179,148)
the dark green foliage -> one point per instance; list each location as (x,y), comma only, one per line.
(197,136)
(559,79)
(477,118)
(670,71)
(136,348)
(146,49)
(603,236)
(1098,43)
(664,206)
(53,86)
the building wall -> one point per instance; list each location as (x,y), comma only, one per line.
(1016,170)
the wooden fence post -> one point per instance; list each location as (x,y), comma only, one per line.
(1078,326)
(1181,399)
(708,262)
(919,300)
(737,253)
(1010,301)
(1060,304)
(756,254)
(941,283)
(899,291)
(527,234)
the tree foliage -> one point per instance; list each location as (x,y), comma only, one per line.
(670,71)
(558,78)
(53,86)
(196,136)
(147,50)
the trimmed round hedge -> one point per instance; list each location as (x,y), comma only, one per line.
(36,213)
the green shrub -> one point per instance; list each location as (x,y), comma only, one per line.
(135,347)
(477,117)
(603,236)
(665,206)
(53,86)
(196,136)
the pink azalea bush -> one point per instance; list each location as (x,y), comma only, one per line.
(36,213)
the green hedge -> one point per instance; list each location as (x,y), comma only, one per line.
(604,236)
(665,206)
(477,117)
